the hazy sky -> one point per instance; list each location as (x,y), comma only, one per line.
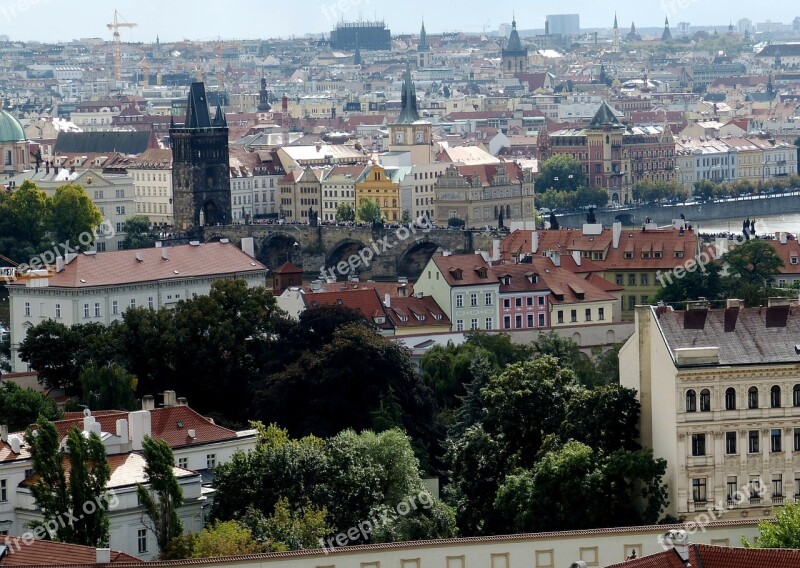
(54,20)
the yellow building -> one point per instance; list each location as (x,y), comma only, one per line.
(382,185)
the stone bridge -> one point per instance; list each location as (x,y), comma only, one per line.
(394,252)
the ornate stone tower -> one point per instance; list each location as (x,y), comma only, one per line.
(515,57)
(410,133)
(200,171)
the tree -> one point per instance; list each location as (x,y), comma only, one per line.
(225,539)
(561,172)
(75,216)
(605,418)
(705,189)
(5,353)
(781,532)
(754,262)
(405,218)
(137,233)
(163,496)
(109,387)
(345,212)
(83,500)
(706,283)
(19,408)
(369,212)
(299,529)
(25,216)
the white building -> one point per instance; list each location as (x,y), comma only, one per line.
(720,400)
(99,287)
(152,182)
(338,188)
(417,190)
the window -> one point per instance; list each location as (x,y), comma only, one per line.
(507,322)
(518,302)
(644,280)
(730,442)
(58,311)
(797,439)
(620,280)
(183,463)
(588,314)
(86,310)
(705,400)
(473,300)
(541,320)
(507,303)
(752,441)
(133,302)
(529,302)
(3,490)
(560,316)
(796,485)
(489,324)
(474,324)
(601,314)
(775,440)
(698,444)
(27,309)
(518,322)
(730,399)
(796,396)
(150,302)
(121,210)
(775,396)
(752,397)
(97,309)
(631,302)
(460,325)
(733,488)
(211,461)
(141,538)
(777,485)
(459,300)
(631,280)
(541,300)
(691,401)
(488,299)
(114,308)
(530,320)
(699,490)
(573,316)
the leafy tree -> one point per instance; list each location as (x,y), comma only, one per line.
(561,172)
(225,539)
(781,532)
(369,212)
(110,387)
(300,529)
(552,199)
(5,353)
(138,233)
(83,499)
(432,519)
(163,496)
(179,548)
(605,418)
(568,354)
(405,217)
(25,216)
(19,408)
(754,262)
(697,284)
(705,189)
(345,212)
(74,216)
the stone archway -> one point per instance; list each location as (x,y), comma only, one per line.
(342,253)
(414,260)
(279,248)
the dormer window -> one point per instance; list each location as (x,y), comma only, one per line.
(628,255)
(420,317)
(404,318)
(482,272)
(457,273)
(380,320)
(793,260)
(437,317)
(645,255)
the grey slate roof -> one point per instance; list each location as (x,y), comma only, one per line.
(744,336)
(111,141)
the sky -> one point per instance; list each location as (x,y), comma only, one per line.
(56,20)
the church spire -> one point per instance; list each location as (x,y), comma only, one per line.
(615,21)
(408,113)
(423,39)
(667,35)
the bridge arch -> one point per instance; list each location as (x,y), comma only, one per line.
(277,248)
(413,261)
(342,252)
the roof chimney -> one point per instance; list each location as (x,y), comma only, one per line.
(534,242)
(103,556)
(576,256)
(495,250)
(165,253)
(248,246)
(387,300)
(148,402)
(59,264)
(677,540)
(170,399)
(616,230)
(183,401)
(16,443)
(4,432)
(122,430)
(141,426)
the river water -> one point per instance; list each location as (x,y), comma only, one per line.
(769,225)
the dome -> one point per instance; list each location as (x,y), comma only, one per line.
(10,128)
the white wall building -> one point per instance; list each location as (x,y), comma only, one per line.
(338,188)
(99,287)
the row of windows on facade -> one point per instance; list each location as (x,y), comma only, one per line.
(518,321)
(156,208)
(150,191)
(335,193)
(752,491)
(97,311)
(142,176)
(632,302)
(587,315)
(100,194)
(730,398)
(753,442)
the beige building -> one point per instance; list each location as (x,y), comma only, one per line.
(152,186)
(720,396)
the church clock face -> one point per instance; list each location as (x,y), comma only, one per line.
(399,137)
(420,137)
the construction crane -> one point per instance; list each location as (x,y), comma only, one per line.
(119,22)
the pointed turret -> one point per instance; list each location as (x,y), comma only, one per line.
(219,118)
(408,113)
(667,35)
(197,115)
(423,39)
(514,43)
(357,55)
(615,21)
(605,116)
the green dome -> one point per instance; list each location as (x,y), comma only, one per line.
(10,128)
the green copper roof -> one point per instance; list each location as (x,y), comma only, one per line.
(10,128)
(604,117)
(423,39)
(408,113)
(514,43)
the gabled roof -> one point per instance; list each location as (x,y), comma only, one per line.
(666,559)
(288,268)
(106,141)
(49,553)
(363,300)
(418,311)
(465,270)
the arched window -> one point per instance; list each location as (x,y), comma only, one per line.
(705,400)
(752,398)
(796,395)
(775,397)
(691,401)
(730,399)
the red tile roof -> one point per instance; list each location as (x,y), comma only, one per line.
(465,270)
(365,301)
(415,308)
(666,559)
(48,553)
(123,267)
(288,268)
(723,557)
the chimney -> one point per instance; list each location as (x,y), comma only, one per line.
(778,302)
(678,541)
(141,426)
(534,242)
(15,443)
(148,402)
(70,257)
(576,256)
(495,250)
(782,238)
(88,420)
(170,398)
(387,300)
(248,246)
(96,428)
(122,430)
(733,303)
(165,253)
(183,401)
(616,231)
(59,264)
(192,434)
(4,432)
(103,556)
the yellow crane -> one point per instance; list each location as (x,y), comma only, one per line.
(119,22)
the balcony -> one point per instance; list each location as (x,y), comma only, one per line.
(777,499)
(755,501)
(694,506)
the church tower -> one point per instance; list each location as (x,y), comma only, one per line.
(515,57)
(263,97)
(200,171)
(667,35)
(615,48)
(409,133)
(423,50)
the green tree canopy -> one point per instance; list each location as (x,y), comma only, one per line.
(781,532)
(561,172)
(345,212)
(138,233)
(75,216)
(109,387)
(19,407)
(369,211)
(754,262)
(225,539)
(25,217)
(162,496)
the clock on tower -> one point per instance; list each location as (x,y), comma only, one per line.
(399,137)
(420,137)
